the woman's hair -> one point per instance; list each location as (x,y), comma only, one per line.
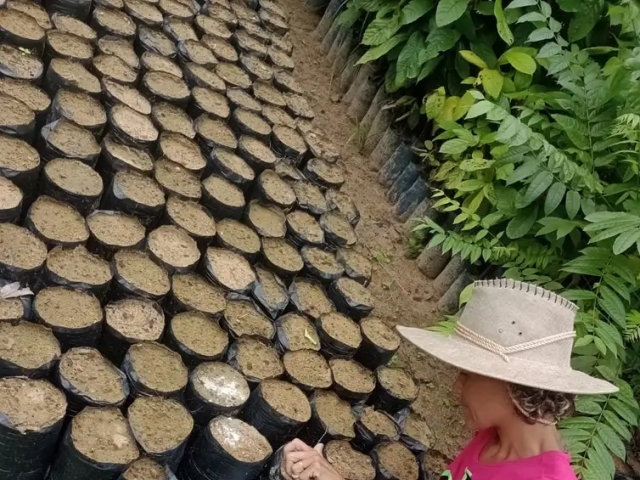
(541,406)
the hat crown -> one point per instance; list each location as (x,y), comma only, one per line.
(511,313)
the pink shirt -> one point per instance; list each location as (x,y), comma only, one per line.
(546,466)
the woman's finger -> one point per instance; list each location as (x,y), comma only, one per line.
(311,473)
(296,445)
(292,458)
(302,465)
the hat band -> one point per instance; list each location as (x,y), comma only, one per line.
(504,352)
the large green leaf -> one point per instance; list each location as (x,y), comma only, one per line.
(377,52)
(454,146)
(612,305)
(520,61)
(448,11)
(472,58)
(554,197)
(539,184)
(480,108)
(521,3)
(540,34)
(492,81)
(408,63)
(572,203)
(521,224)
(428,68)
(439,40)
(501,22)
(585,19)
(415,10)
(380,30)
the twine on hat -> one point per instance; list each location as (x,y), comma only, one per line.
(504,352)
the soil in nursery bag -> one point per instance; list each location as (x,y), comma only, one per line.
(337,229)
(64,73)
(277,116)
(154,370)
(231,166)
(115,93)
(177,180)
(233,75)
(113,67)
(35,11)
(80,108)
(272,7)
(222,49)
(282,43)
(204,100)
(281,61)
(107,21)
(270,292)
(197,338)
(69,24)
(178,29)
(199,76)
(274,22)
(174,8)
(56,222)
(340,336)
(22,254)
(97,444)
(135,273)
(196,52)
(281,256)
(16,118)
(130,321)
(172,248)
(320,146)
(287,142)
(228,269)
(77,268)
(222,14)
(17,65)
(351,298)
(241,99)
(144,13)
(255,359)
(311,199)
(136,195)
(132,128)
(273,189)
(277,409)
(62,138)
(296,332)
(324,174)
(74,316)
(307,369)
(243,318)
(286,82)
(208,26)
(111,231)
(161,427)
(146,469)
(395,390)
(89,379)
(298,106)
(32,413)
(72,181)
(394,461)
(256,68)
(267,220)
(10,201)
(14,308)
(193,218)
(164,86)
(115,4)
(238,237)
(21,30)
(154,62)
(348,462)
(331,419)
(247,122)
(223,198)
(212,133)
(33,97)
(304,229)
(373,427)
(379,343)
(256,153)
(356,265)
(69,46)
(243,12)
(343,204)
(309,297)
(321,264)
(265,93)
(27,349)
(215,388)
(351,380)
(173,119)
(180,149)
(192,292)
(415,433)
(247,44)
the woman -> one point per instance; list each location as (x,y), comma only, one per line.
(512,344)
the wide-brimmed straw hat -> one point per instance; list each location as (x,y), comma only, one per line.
(516,332)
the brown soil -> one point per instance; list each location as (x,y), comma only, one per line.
(114,67)
(211,102)
(258,149)
(140,189)
(311,298)
(180,149)
(354,291)
(28,345)
(277,116)
(398,382)
(234,163)
(224,191)
(173,247)
(34,10)
(319,144)
(72,25)
(298,106)
(286,399)
(243,12)
(78,265)
(179,29)
(339,225)
(379,333)
(216,131)
(199,334)
(137,269)
(282,43)
(24,67)
(159,424)
(173,119)
(268,219)
(224,14)
(133,124)
(213,28)
(173,8)
(33,97)
(309,196)
(127,95)
(14,113)
(206,77)
(10,195)
(102,434)
(322,260)
(270,287)
(74,176)
(11,309)
(335,413)
(288,82)
(256,67)
(76,75)
(257,360)
(20,24)
(233,75)
(158,367)
(299,332)
(166,85)
(143,10)
(93,375)
(273,21)
(248,44)
(238,236)
(29,405)
(61,307)
(252,121)
(272,7)
(121,48)
(341,328)
(416,427)
(240,98)
(230,269)
(20,248)
(398,460)
(352,376)
(74,141)
(67,45)
(198,53)
(243,318)
(222,49)
(115,228)
(198,294)
(57,221)
(115,4)
(119,23)
(242,441)
(145,469)
(81,108)
(277,188)
(191,216)
(176,179)
(343,204)
(308,368)
(136,319)
(302,223)
(220,384)
(282,254)
(349,463)
(269,95)
(352,260)
(379,423)
(329,173)
(283,61)
(156,62)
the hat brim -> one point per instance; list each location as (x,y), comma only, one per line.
(464,355)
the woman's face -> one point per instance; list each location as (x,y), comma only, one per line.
(485,401)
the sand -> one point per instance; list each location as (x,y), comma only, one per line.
(173,8)
(230,269)
(257,360)
(328,174)
(416,428)
(380,334)
(354,263)
(57,222)
(379,423)
(398,461)
(33,97)
(191,216)
(10,194)
(310,298)
(238,237)
(220,384)
(250,122)
(183,151)
(157,367)
(28,345)
(269,289)
(277,189)
(115,228)
(18,65)
(243,318)
(121,48)
(77,265)
(29,405)
(159,425)
(268,220)
(223,13)
(178,29)
(166,85)
(282,254)
(306,226)
(196,293)
(74,177)
(286,399)
(141,273)
(223,191)
(256,67)
(349,463)
(156,62)
(177,180)
(212,27)
(11,309)
(76,75)
(335,413)
(298,105)
(341,328)
(308,367)
(60,307)
(287,82)
(298,332)
(199,334)
(256,148)
(127,95)
(352,376)
(342,203)
(248,44)
(20,248)
(242,441)
(138,188)
(72,25)
(135,319)
(213,103)
(145,11)
(283,61)
(21,25)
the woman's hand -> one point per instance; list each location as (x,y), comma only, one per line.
(301,462)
